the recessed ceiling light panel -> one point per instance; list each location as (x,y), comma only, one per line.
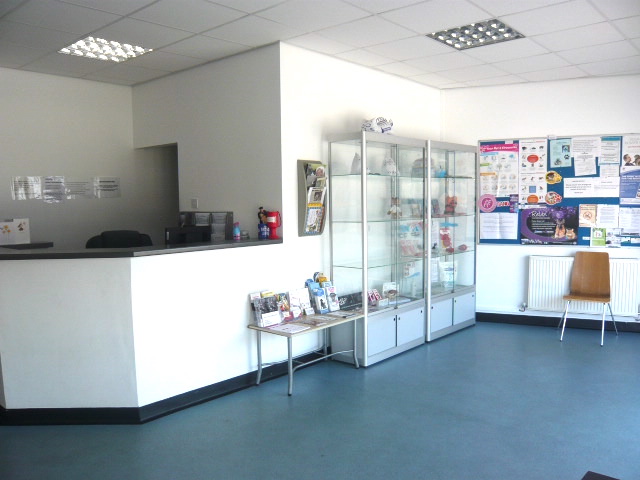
(476,34)
(101,49)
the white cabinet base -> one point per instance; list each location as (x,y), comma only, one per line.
(451,313)
(382,335)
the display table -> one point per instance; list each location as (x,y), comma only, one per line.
(322,323)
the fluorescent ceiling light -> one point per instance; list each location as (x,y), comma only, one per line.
(101,49)
(476,34)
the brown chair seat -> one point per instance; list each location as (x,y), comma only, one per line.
(590,282)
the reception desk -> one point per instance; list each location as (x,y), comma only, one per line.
(127,335)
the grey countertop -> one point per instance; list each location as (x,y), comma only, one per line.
(56,253)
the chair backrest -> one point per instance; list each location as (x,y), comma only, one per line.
(590,274)
(120,239)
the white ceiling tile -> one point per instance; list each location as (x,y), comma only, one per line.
(636,42)
(170,62)
(504,80)
(596,53)
(60,16)
(432,79)
(473,73)
(15,56)
(317,43)
(447,61)
(554,74)
(379,6)
(614,9)
(309,15)
(190,15)
(408,48)
(366,32)
(630,27)
(248,6)
(60,64)
(455,85)
(400,68)
(522,47)
(119,7)
(427,17)
(555,18)
(579,37)
(128,73)
(253,31)
(498,8)
(364,58)
(144,34)
(35,37)
(619,66)
(206,48)
(530,64)
(7,5)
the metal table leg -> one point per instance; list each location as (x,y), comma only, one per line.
(355,343)
(290,365)
(259,343)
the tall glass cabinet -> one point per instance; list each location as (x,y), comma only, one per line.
(377,185)
(451,233)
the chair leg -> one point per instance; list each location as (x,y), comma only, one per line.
(564,318)
(613,318)
(602,336)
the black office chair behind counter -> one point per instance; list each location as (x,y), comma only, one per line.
(119,239)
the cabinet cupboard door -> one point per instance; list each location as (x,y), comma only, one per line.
(410,326)
(381,334)
(441,315)
(464,308)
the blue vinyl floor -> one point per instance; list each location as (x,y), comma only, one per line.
(490,402)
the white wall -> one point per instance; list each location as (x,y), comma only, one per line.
(225,118)
(79,129)
(317,96)
(572,107)
(322,96)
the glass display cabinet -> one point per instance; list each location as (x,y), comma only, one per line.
(377,208)
(451,230)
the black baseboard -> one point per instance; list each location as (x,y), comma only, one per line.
(139,415)
(542,321)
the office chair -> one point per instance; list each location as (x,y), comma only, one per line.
(590,283)
(119,239)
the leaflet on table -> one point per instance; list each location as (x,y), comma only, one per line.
(289,327)
(499,169)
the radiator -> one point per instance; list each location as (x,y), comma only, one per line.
(549,279)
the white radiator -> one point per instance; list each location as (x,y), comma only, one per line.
(549,279)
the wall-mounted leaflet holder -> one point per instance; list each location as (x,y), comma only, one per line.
(312,189)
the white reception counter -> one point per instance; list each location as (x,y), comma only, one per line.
(124,336)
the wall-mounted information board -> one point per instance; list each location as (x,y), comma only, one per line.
(580,190)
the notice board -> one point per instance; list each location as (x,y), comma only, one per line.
(570,190)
